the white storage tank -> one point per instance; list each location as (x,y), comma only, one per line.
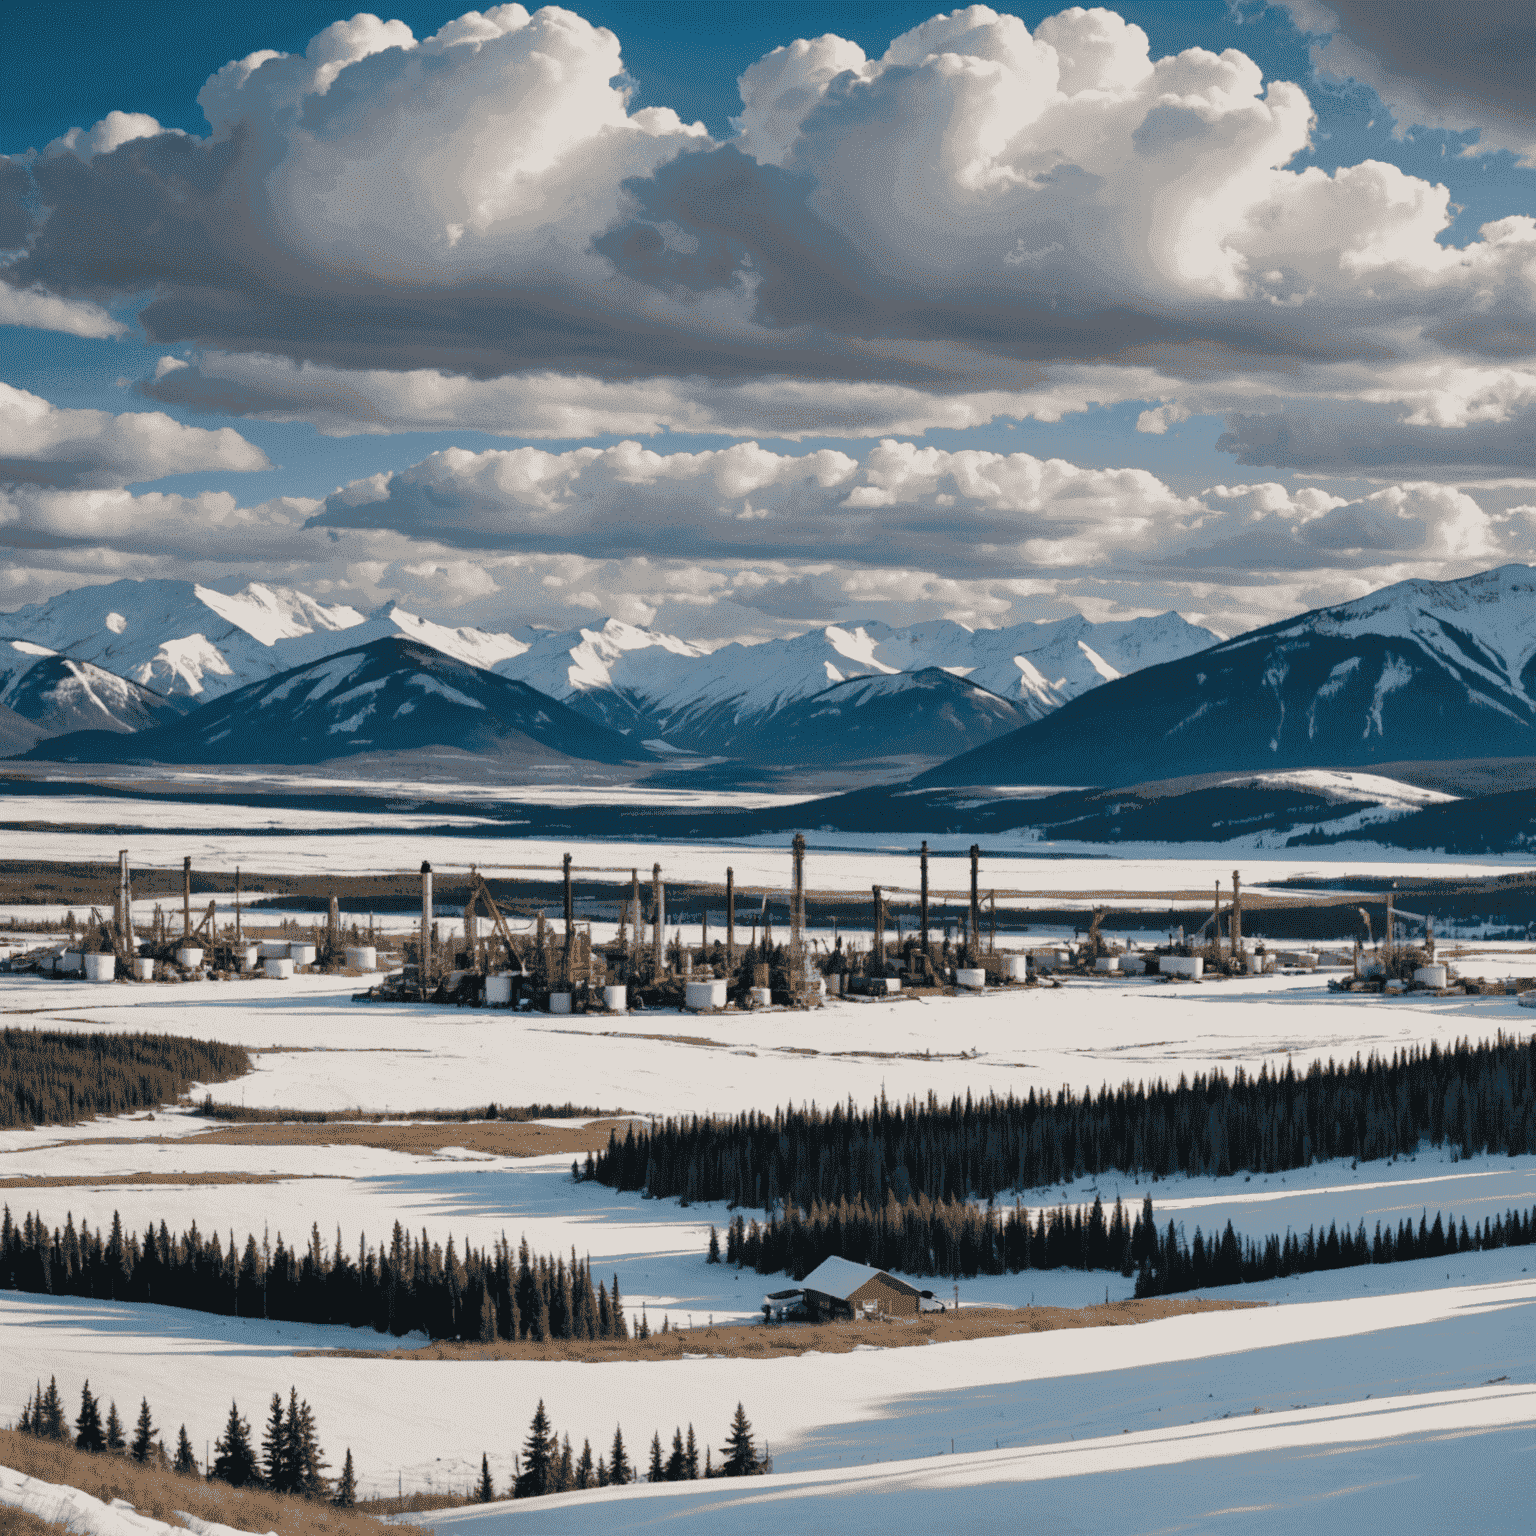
(559,1002)
(189,957)
(762,996)
(1107,963)
(1133,965)
(144,968)
(616,999)
(69,961)
(705,994)
(301,954)
(1430,976)
(100,967)
(248,954)
(362,957)
(274,949)
(1016,967)
(498,990)
(973,978)
(278,967)
(1190,966)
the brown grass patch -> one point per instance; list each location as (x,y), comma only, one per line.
(160,1493)
(738,1341)
(17,1522)
(414,1504)
(495,1137)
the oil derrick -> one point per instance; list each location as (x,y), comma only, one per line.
(877,948)
(798,980)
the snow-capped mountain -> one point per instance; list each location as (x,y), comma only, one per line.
(196,643)
(1419,670)
(705,701)
(60,693)
(926,713)
(392,695)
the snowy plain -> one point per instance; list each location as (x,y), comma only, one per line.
(1385,1378)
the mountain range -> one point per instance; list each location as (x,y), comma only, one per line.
(389,697)
(189,644)
(1418,670)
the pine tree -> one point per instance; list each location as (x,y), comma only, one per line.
(602,1473)
(48,1416)
(306,1460)
(714,1246)
(619,1470)
(691,1457)
(709,1470)
(234,1461)
(115,1439)
(565,1472)
(275,1470)
(677,1462)
(143,1435)
(644,1331)
(657,1473)
(585,1476)
(539,1455)
(186,1462)
(346,1490)
(88,1432)
(486,1492)
(739,1451)
(616,1306)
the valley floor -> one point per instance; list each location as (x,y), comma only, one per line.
(1404,1392)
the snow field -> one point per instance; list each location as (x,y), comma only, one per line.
(409,1056)
(87,1516)
(816,1411)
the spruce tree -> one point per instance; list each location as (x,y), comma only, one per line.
(739,1452)
(619,1470)
(48,1417)
(538,1470)
(234,1462)
(616,1306)
(346,1490)
(306,1460)
(186,1462)
(486,1491)
(677,1462)
(585,1476)
(714,1246)
(275,1471)
(656,1472)
(88,1431)
(709,1470)
(565,1472)
(691,1457)
(602,1473)
(115,1438)
(143,1435)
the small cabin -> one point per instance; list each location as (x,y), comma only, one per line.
(840,1288)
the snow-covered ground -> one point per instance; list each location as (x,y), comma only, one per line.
(1360,1395)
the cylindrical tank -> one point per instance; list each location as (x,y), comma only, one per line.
(1016,967)
(1427,975)
(559,1002)
(1190,966)
(975,979)
(363,957)
(301,954)
(189,957)
(278,967)
(144,968)
(100,967)
(1107,963)
(274,949)
(498,990)
(761,996)
(248,954)
(69,961)
(616,999)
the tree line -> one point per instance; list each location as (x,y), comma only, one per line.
(941,1237)
(546,1464)
(1176,1265)
(411,1285)
(51,1078)
(289,1460)
(1475,1098)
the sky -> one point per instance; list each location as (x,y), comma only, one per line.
(732,321)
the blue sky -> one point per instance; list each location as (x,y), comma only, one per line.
(1134,334)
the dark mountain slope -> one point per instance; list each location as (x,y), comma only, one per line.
(391,696)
